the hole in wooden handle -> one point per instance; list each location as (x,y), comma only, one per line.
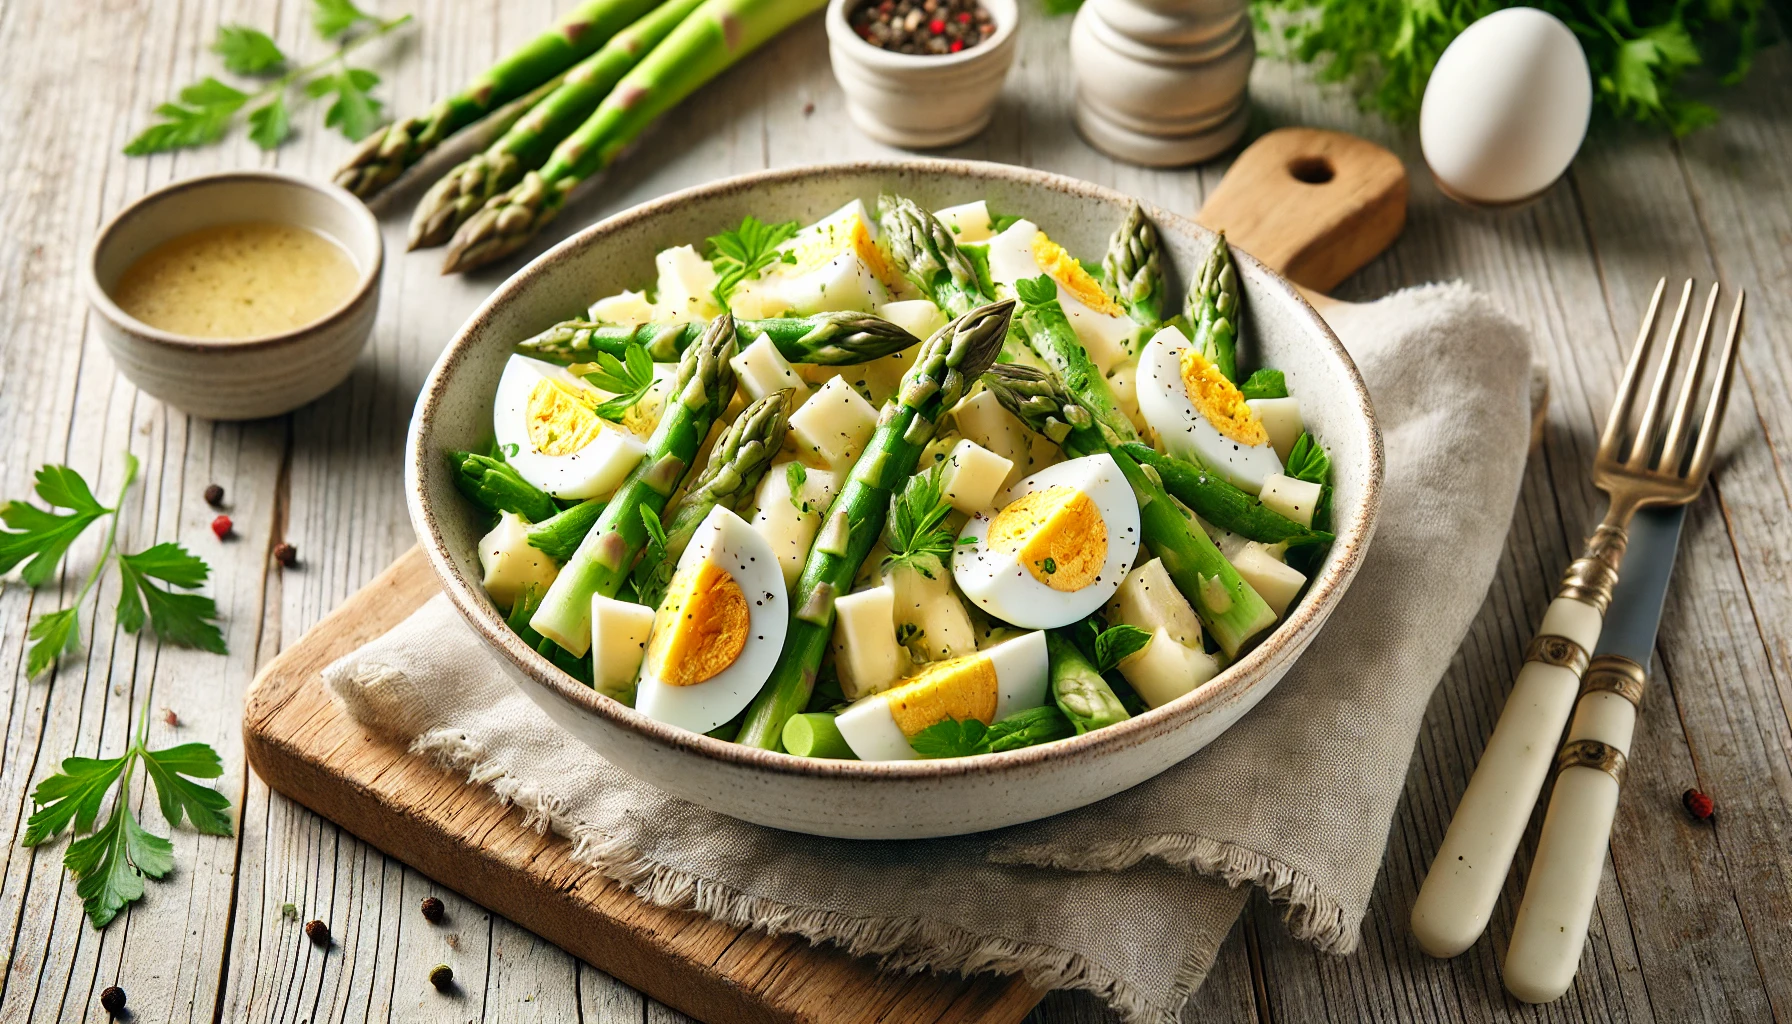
(1314,170)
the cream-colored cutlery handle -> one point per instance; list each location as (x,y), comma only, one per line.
(1551,927)
(1467,874)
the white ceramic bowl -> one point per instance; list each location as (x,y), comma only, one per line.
(237,378)
(896,799)
(921,101)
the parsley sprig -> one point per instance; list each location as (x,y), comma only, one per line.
(39,537)
(744,253)
(110,864)
(916,531)
(952,737)
(628,378)
(203,112)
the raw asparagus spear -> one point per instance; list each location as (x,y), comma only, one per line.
(1223,504)
(386,154)
(559,536)
(1134,271)
(708,42)
(1051,337)
(460,193)
(495,486)
(1078,688)
(1212,309)
(815,735)
(737,462)
(1228,607)
(927,254)
(945,368)
(827,339)
(702,389)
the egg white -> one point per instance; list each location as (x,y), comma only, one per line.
(1000,585)
(1108,338)
(1022,671)
(1183,430)
(591,472)
(725,539)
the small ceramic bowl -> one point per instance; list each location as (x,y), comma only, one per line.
(916,101)
(237,378)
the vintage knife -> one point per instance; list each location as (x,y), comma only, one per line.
(1552,920)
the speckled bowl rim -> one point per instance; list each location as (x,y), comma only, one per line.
(1232,683)
(368,283)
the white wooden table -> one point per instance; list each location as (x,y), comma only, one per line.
(1694,921)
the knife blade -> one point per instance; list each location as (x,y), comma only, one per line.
(1635,613)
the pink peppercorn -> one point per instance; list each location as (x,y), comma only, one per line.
(221,527)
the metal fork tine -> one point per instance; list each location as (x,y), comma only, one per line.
(1720,397)
(1633,370)
(1645,431)
(1695,367)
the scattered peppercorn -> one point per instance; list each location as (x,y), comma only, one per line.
(318,932)
(433,909)
(112,1000)
(214,496)
(286,555)
(442,977)
(1698,804)
(926,27)
(221,527)
(170,718)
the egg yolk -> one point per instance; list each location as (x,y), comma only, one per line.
(700,628)
(1063,268)
(1219,400)
(560,421)
(961,688)
(848,235)
(1057,533)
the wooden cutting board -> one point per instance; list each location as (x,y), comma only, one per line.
(306,747)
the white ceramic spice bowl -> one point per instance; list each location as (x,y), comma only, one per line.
(921,101)
(232,378)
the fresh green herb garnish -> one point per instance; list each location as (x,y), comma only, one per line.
(742,254)
(795,476)
(1115,644)
(1265,383)
(1000,222)
(916,532)
(953,737)
(1036,291)
(950,737)
(628,378)
(1049,566)
(203,112)
(1307,461)
(907,633)
(494,485)
(44,536)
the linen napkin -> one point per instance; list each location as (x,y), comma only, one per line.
(1129,898)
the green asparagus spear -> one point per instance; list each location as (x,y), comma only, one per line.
(1134,271)
(1231,610)
(518,621)
(1212,309)
(945,368)
(815,735)
(460,193)
(714,36)
(559,536)
(385,155)
(702,389)
(827,339)
(493,485)
(1051,337)
(927,254)
(735,465)
(1078,688)
(1027,729)
(1223,504)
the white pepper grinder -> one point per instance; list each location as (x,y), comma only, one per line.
(1162,82)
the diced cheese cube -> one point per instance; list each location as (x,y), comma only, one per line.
(1281,421)
(834,424)
(982,419)
(763,370)
(789,525)
(930,619)
(968,222)
(918,317)
(1124,383)
(627,309)
(1148,599)
(973,476)
(1165,670)
(1294,499)
(511,564)
(866,655)
(686,285)
(753,300)
(1273,579)
(619,631)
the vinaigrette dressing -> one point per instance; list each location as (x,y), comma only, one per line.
(245,280)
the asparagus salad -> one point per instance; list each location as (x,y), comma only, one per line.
(919,484)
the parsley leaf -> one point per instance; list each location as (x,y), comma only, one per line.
(950,737)
(110,864)
(247,51)
(269,125)
(171,770)
(354,112)
(332,18)
(72,795)
(45,536)
(201,116)
(52,635)
(1036,291)
(916,532)
(1265,383)
(184,619)
(742,254)
(795,476)
(1117,643)
(1307,461)
(628,378)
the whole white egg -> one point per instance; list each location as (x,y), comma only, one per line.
(1506,107)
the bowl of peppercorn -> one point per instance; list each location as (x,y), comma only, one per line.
(921,74)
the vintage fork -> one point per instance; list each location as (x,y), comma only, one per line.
(1469,871)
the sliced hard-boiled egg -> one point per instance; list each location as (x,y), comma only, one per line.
(511,563)
(1201,416)
(968,222)
(1024,251)
(1057,550)
(545,420)
(833,264)
(987,686)
(717,634)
